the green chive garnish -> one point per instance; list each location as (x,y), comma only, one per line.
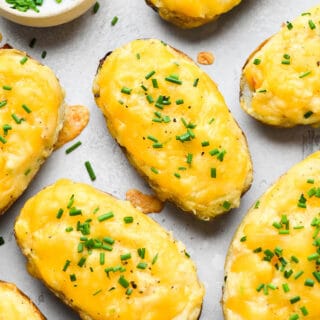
(126,90)
(114,20)
(305,74)
(142,265)
(311,24)
(66,265)
(96,7)
(24,60)
(155,83)
(294,299)
(73,147)
(8,88)
(150,74)
(195,83)
(141,252)
(123,282)
(82,261)
(60,213)
(102,258)
(155,258)
(89,168)
(213,172)
(73,277)
(106,216)
(128,219)
(256,61)
(3,103)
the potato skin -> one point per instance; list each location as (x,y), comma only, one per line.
(168,280)
(283,218)
(132,120)
(15,305)
(280,80)
(28,142)
(189,14)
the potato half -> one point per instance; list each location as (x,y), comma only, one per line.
(189,13)
(14,305)
(280,82)
(175,127)
(272,268)
(31,116)
(104,258)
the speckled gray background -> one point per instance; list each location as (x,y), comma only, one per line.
(74,51)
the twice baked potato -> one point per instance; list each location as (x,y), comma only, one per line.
(280,80)
(189,13)
(106,259)
(31,117)
(175,127)
(15,305)
(272,267)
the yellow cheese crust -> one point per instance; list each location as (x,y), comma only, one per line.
(272,269)
(14,305)
(31,101)
(189,147)
(190,13)
(116,281)
(280,84)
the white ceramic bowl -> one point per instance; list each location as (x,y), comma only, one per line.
(51,13)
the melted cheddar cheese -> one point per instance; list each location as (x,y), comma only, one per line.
(283,75)
(14,305)
(188,146)
(190,13)
(106,259)
(30,119)
(272,268)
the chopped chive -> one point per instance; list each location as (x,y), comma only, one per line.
(189,158)
(211,121)
(154,170)
(173,79)
(149,98)
(298,275)
(243,239)
(155,258)
(106,247)
(3,103)
(155,83)
(308,114)
(96,7)
(26,108)
(304,311)
(69,229)
(141,252)
(195,83)
(43,54)
(213,172)
(205,143)
(311,181)
(144,87)
(295,259)
(90,171)
(108,240)
(123,282)
(142,265)
(150,74)
(16,119)
(309,283)
(129,291)
(179,101)
(126,90)
(257,204)
(80,247)
(138,56)
(313,256)
(294,317)
(289,25)
(284,232)
(125,256)
(60,213)
(73,147)
(285,287)
(305,74)
(66,265)
(256,61)
(298,227)
(182,168)
(27,172)
(7,88)
(177,175)
(32,42)
(102,258)
(114,20)
(294,299)
(260,287)
(285,62)
(106,216)
(128,219)
(73,277)
(226,205)
(3,140)
(75,212)
(152,138)
(82,261)
(157,145)
(24,60)
(311,24)
(97,292)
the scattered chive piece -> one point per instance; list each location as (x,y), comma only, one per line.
(106,216)
(149,98)
(102,258)
(284,232)
(155,83)
(108,240)
(177,175)
(3,103)
(256,61)
(308,114)
(298,275)
(309,283)
(32,42)
(16,119)
(294,259)
(243,239)
(69,229)
(24,60)
(82,261)
(70,202)
(195,83)
(152,138)
(73,277)
(150,74)
(226,205)
(114,20)
(128,219)
(142,265)
(157,145)
(126,90)
(285,62)
(129,291)
(213,172)
(304,311)
(257,204)
(43,54)
(205,143)
(313,256)
(27,172)
(73,147)
(89,168)
(142,252)
(154,170)
(123,282)
(294,317)
(260,287)
(3,140)
(311,24)
(173,79)
(138,56)
(2,241)
(179,101)
(311,181)
(7,88)
(97,292)
(298,227)
(144,87)
(211,121)
(26,108)
(294,299)
(285,287)
(304,74)
(66,265)
(80,247)
(60,213)
(96,7)
(189,158)
(75,212)
(289,25)
(155,258)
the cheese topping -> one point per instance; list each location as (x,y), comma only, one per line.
(272,269)
(105,258)
(284,75)
(15,305)
(175,126)
(30,112)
